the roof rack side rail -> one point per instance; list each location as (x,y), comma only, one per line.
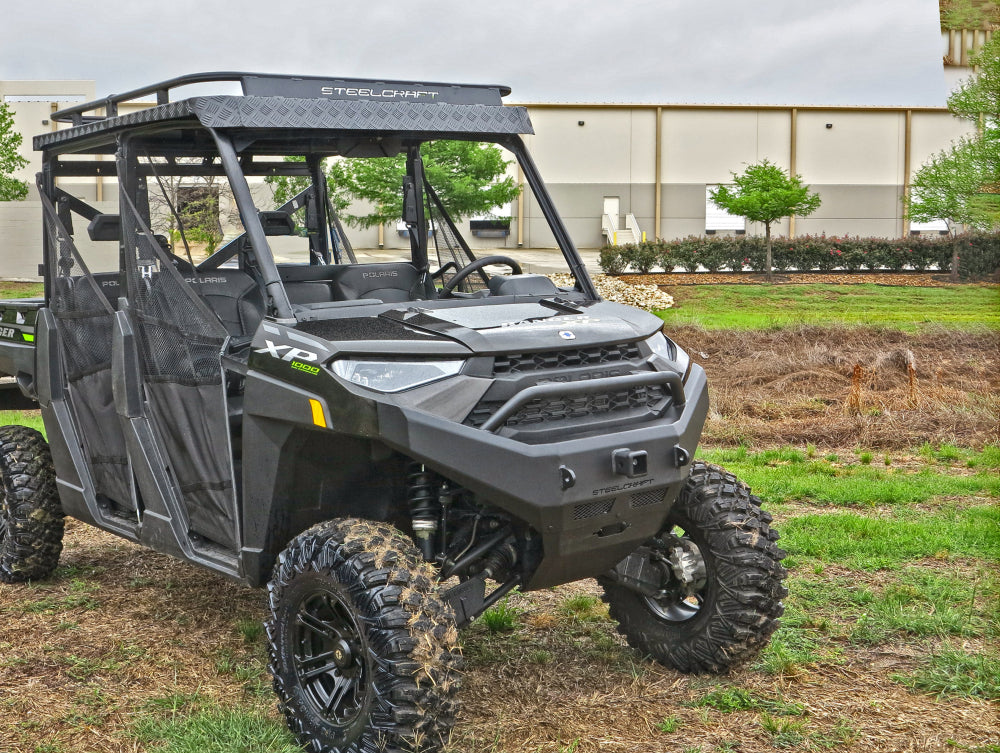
(78,114)
(296,87)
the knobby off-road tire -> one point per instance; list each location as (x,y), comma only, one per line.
(363,652)
(738,603)
(31,518)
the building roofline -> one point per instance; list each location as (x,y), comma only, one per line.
(724,106)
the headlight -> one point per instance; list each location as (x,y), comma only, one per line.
(394,376)
(677,356)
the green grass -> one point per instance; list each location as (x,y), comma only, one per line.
(795,646)
(953,672)
(584,607)
(10,289)
(31,419)
(826,615)
(502,618)
(871,543)
(212,729)
(735,699)
(749,307)
(669,724)
(784,734)
(251,629)
(786,474)
(916,603)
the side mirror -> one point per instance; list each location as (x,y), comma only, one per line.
(104,227)
(277,223)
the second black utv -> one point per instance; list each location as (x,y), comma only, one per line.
(390,445)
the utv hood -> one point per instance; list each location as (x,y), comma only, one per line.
(489,329)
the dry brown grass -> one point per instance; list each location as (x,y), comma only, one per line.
(82,654)
(842,387)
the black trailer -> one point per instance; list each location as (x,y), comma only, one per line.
(390,446)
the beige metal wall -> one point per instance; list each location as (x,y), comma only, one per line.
(35,117)
(857,159)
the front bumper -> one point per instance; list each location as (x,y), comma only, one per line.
(589,525)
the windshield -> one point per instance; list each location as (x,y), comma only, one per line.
(439,205)
(377,220)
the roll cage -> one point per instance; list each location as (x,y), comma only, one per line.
(310,117)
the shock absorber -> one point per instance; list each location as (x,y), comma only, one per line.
(423,507)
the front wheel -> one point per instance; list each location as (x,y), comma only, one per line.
(363,653)
(722,579)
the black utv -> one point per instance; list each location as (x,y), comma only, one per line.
(390,445)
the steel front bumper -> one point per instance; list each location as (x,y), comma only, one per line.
(588,498)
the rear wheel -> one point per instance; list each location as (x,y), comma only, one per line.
(364,654)
(722,579)
(31,518)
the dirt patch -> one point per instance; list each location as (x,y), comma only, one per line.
(847,386)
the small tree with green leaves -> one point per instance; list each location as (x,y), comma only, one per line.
(764,193)
(468,177)
(11,188)
(962,183)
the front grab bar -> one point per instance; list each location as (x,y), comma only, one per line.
(585,387)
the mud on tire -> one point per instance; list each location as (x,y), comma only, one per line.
(31,518)
(363,652)
(737,607)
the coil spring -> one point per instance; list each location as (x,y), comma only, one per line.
(420,485)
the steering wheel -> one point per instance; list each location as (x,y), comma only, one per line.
(463,273)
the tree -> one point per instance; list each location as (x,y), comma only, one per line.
(190,208)
(764,193)
(11,189)
(961,184)
(468,177)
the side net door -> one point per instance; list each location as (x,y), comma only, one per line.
(85,317)
(180,342)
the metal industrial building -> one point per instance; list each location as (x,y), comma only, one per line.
(623,166)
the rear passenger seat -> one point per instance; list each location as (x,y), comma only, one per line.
(235,298)
(390,282)
(233,295)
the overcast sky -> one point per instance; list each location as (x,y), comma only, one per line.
(835,52)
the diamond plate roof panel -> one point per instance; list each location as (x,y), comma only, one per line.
(340,115)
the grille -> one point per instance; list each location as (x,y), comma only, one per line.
(560,408)
(590,510)
(514,363)
(652,497)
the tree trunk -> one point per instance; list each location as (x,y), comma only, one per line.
(954,259)
(767,235)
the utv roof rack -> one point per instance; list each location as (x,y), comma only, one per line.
(294,87)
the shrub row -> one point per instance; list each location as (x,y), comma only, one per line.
(979,254)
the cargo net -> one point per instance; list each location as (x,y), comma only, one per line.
(450,246)
(181,339)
